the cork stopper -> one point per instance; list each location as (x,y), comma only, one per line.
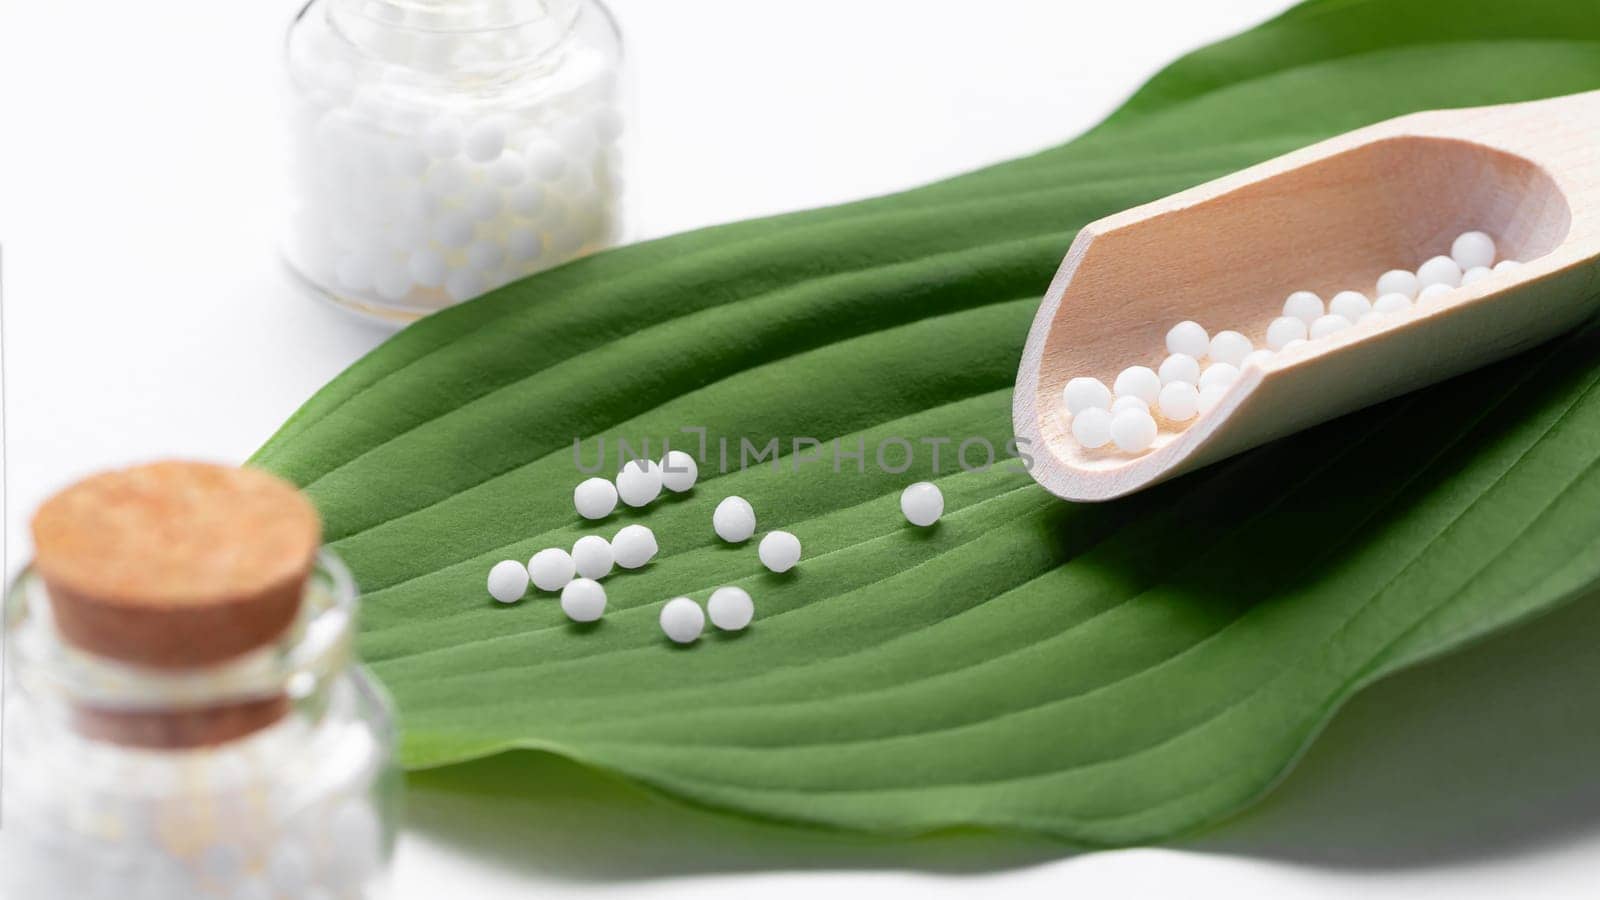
(175,564)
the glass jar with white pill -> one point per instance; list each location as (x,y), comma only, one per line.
(442,148)
(267,775)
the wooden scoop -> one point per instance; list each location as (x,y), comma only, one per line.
(1329,217)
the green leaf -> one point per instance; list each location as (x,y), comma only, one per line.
(1108,674)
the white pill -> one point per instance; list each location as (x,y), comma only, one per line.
(682,620)
(1293,344)
(1391,304)
(1123,403)
(1179,401)
(1398,281)
(453,229)
(779,551)
(1434,293)
(678,471)
(393,281)
(1469,276)
(523,244)
(731,608)
(1258,358)
(1133,430)
(445,177)
(1505,264)
(442,138)
(1350,304)
(1189,338)
(485,139)
(485,255)
(526,200)
(1092,427)
(508,581)
(550,569)
(1179,367)
(591,556)
(427,267)
(484,203)
(923,503)
(1304,305)
(1230,347)
(1085,393)
(1439,270)
(594,498)
(734,520)
(633,546)
(1218,374)
(639,482)
(583,600)
(545,159)
(1209,396)
(1327,325)
(1138,381)
(464,284)
(1472,250)
(509,170)
(407,160)
(1285,329)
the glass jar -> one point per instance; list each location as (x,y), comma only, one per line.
(441,148)
(103,797)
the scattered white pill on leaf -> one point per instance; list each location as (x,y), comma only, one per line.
(583,600)
(591,556)
(639,482)
(779,551)
(1218,375)
(1350,304)
(633,546)
(1133,430)
(1179,367)
(1179,401)
(1189,338)
(1085,393)
(734,520)
(550,569)
(1327,325)
(1472,250)
(1305,306)
(731,608)
(595,498)
(1138,381)
(682,620)
(1230,347)
(1398,281)
(508,581)
(1439,270)
(923,503)
(678,471)
(1092,428)
(1285,329)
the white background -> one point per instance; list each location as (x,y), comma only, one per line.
(145,315)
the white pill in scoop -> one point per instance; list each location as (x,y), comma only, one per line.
(734,520)
(550,569)
(1434,293)
(1350,304)
(639,482)
(1092,428)
(1179,367)
(1285,329)
(633,546)
(1505,264)
(1472,250)
(583,600)
(1130,402)
(591,556)
(1439,270)
(1189,338)
(595,498)
(678,471)
(1329,324)
(1133,430)
(1085,393)
(923,503)
(1218,375)
(1258,358)
(1475,273)
(682,620)
(1179,401)
(1138,381)
(1230,347)
(1304,305)
(779,551)
(731,608)
(1209,396)
(508,581)
(1391,304)
(1398,281)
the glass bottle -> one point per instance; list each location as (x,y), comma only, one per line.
(441,148)
(269,774)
